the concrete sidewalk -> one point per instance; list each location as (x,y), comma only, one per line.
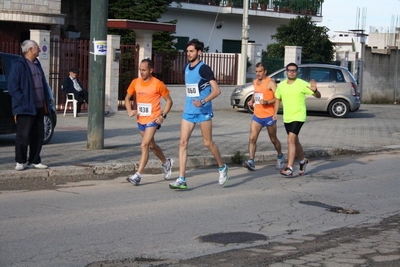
(372,128)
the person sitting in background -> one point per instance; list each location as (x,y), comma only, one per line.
(72,85)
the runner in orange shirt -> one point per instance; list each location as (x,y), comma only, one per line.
(263,100)
(148,91)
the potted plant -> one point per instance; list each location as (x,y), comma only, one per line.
(263,4)
(254,4)
(229,3)
(276,4)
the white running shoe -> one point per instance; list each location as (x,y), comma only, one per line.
(223,175)
(134,179)
(168,168)
(249,164)
(280,162)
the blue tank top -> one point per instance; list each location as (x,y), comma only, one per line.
(197,88)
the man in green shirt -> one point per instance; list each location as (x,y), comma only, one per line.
(292,92)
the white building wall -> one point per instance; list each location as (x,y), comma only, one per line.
(381,40)
(203,27)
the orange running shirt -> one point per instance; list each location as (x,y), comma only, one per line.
(148,96)
(261,91)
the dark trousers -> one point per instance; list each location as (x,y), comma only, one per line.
(30,132)
(82,97)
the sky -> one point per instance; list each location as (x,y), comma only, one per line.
(343,15)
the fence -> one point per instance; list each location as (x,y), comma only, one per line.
(169,67)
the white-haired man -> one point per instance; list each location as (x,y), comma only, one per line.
(30,102)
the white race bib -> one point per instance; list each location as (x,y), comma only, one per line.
(192,90)
(144,109)
(258,97)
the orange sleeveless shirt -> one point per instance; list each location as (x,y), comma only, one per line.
(261,91)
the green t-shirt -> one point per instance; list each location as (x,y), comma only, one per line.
(293,97)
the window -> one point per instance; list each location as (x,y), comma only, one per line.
(320,74)
(182,42)
(339,76)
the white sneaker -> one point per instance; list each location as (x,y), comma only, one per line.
(20,166)
(223,175)
(134,179)
(37,166)
(280,162)
(168,168)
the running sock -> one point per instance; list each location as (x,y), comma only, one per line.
(222,167)
(182,178)
(302,161)
(281,156)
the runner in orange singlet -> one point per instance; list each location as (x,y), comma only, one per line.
(148,91)
(263,101)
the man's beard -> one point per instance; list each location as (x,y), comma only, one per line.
(194,59)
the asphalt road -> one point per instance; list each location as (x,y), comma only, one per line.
(258,219)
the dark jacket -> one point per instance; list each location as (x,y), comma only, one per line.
(68,87)
(21,88)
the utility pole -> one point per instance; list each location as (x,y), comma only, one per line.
(245,37)
(97,73)
(363,36)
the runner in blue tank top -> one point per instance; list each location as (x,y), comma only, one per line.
(200,89)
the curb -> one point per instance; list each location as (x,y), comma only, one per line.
(87,172)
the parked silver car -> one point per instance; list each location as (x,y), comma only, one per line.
(339,93)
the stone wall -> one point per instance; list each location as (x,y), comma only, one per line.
(32,6)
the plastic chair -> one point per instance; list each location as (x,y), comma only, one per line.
(71,99)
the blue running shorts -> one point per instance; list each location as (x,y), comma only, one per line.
(197,118)
(142,127)
(264,122)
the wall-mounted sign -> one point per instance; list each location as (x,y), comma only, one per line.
(44,50)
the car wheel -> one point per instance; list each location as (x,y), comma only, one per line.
(247,107)
(339,108)
(48,129)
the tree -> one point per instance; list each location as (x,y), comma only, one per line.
(146,10)
(300,31)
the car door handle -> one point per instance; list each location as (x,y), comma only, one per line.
(331,86)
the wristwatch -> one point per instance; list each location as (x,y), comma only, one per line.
(164,115)
(203,102)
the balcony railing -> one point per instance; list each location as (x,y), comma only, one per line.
(302,7)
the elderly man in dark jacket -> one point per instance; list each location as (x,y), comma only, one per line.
(30,102)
